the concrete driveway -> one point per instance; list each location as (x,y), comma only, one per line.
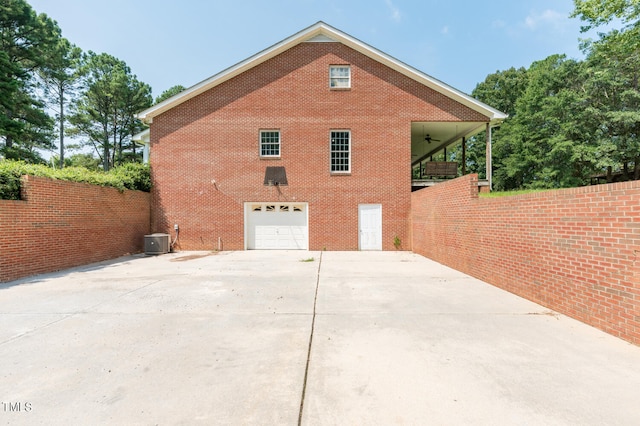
(286,337)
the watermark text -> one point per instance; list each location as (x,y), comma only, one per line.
(16,407)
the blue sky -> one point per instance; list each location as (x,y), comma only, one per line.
(459,42)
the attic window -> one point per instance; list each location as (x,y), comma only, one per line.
(340,76)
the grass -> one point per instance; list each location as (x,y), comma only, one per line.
(496,194)
(310,259)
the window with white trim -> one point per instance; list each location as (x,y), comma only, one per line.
(269,143)
(340,151)
(340,76)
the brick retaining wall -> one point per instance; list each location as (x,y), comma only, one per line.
(63,224)
(576,251)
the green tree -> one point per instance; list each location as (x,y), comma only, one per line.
(105,111)
(569,119)
(613,64)
(545,144)
(596,13)
(87,161)
(501,90)
(24,39)
(172,91)
(614,103)
(59,77)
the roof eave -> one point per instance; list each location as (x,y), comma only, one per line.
(142,138)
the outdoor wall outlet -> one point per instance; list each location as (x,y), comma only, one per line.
(175,226)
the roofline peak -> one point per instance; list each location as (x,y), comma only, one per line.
(321,28)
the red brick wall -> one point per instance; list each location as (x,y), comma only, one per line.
(214,137)
(64,224)
(576,251)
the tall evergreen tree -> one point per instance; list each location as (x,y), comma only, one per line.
(105,111)
(24,39)
(59,76)
(174,90)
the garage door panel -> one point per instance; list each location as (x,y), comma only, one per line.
(277,226)
(265,237)
(292,237)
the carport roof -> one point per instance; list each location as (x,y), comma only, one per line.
(321,31)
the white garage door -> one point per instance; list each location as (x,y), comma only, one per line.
(276,226)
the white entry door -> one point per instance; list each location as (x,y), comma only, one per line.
(370,226)
(276,226)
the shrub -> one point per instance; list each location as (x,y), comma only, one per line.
(134,176)
(9,181)
(129,176)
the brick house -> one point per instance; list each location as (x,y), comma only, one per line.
(309,144)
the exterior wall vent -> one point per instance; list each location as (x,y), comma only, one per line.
(157,244)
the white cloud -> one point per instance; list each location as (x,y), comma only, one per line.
(547,18)
(395,12)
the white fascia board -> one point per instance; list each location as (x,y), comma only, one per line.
(322,29)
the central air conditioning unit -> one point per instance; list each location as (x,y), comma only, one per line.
(157,244)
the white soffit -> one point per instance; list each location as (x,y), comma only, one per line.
(321,32)
(321,38)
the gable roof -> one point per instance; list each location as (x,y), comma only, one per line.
(321,32)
